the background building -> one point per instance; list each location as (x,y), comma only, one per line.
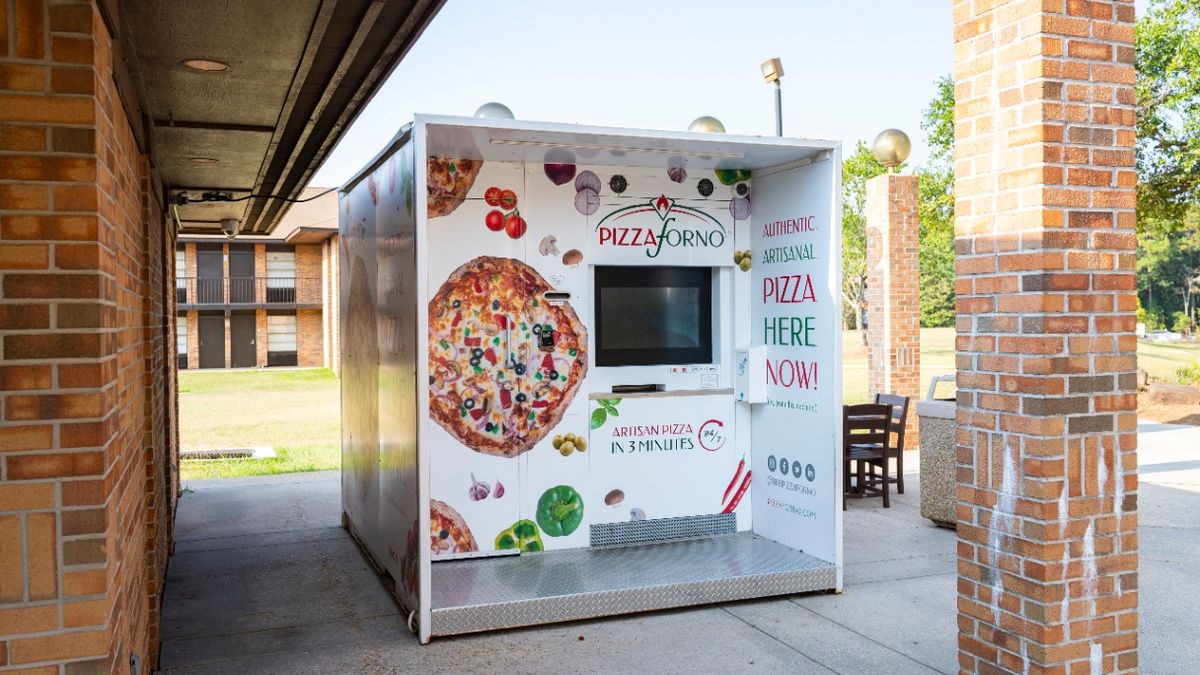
(261,302)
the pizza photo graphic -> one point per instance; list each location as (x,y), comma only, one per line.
(504,362)
(448,532)
(449,181)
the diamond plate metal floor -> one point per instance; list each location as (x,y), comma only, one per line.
(494,593)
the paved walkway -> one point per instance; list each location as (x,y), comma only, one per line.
(264,579)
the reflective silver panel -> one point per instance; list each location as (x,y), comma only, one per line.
(663,529)
(489,594)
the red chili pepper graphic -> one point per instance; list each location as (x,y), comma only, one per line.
(457,319)
(502,320)
(490,355)
(737,497)
(548,363)
(505,397)
(733,481)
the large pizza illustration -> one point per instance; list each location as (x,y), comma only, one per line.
(448,532)
(448,182)
(504,363)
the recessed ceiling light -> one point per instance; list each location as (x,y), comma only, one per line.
(204,160)
(206,65)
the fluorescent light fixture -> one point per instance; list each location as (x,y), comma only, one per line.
(206,65)
(580,146)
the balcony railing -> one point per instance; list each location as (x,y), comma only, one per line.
(265,291)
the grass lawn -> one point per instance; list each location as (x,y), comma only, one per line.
(296,411)
(1159,360)
(937,358)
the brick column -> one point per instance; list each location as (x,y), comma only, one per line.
(193,338)
(228,328)
(1045,188)
(260,276)
(190,265)
(329,304)
(260,338)
(894,292)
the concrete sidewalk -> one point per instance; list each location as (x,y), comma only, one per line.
(264,579)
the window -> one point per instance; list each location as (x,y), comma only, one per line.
(180,278)
(281,276)
(181,341)
(281,339)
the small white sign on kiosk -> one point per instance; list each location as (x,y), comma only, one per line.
(590,371)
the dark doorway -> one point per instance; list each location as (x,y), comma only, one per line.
(212,341)
(241,276)
(241,340)
(210,282)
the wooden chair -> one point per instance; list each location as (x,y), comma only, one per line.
(865,447)
(899,417)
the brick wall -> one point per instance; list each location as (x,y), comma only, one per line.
(1045,189)
(309,351)
(894,292)
(308,274)
(193,338)
(329,303)
(87,404)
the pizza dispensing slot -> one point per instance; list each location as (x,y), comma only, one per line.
(638,388)
(556,296)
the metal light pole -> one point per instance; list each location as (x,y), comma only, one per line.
(772,70)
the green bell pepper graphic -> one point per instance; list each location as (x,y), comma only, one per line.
(560,511)
(523,535)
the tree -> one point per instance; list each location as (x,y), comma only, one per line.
(1168,272)
(1167,57)
(937,209)
(859,167)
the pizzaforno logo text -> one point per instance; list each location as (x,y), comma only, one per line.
(679,227)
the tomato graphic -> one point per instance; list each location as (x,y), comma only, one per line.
(508,200)
(515,226)
(494,220)
(492,196)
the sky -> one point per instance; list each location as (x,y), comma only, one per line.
(852,68)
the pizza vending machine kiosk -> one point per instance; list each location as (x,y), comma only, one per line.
(590,371)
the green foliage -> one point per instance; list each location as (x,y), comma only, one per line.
(1181,322)
(1168,112)
(1168,271)
(1189,374)
(937,209)
(859,167)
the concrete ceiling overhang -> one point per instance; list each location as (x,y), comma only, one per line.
(298,73)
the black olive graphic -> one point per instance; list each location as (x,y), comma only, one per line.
(618,183)
(704,187)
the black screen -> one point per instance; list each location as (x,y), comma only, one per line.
(653,315)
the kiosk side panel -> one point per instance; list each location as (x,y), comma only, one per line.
(396,305)
(360,364)
(795,312)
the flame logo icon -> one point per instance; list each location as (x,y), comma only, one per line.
(662,206)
